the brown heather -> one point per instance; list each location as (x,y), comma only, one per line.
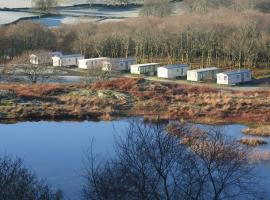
(137,97)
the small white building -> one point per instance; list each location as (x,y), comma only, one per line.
(147,68)
(172,71)
(234,77)
(205,74)
(101,62)
(43,57)
(66,60)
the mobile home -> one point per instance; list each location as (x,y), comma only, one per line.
(66,60)
(123,64)
(148,68)
(234,77)
(172,71)
(205,74)
(93,63)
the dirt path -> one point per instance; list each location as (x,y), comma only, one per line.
(256,85)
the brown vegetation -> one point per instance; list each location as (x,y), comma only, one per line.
(252,141)
(136,97)
(259,131)
(258,155)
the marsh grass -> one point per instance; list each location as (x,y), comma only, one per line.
(252,141)
(263,131)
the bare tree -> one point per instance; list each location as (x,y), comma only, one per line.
(160,8)
(45,5)
(100,72)
(36,66)
(17,182)
(184,164)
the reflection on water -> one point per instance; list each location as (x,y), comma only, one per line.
(50,22)
(54,150)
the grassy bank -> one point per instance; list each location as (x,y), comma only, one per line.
(133,97)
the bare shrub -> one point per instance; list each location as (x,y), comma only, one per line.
(17,182)
(151,164)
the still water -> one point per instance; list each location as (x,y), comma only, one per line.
(55,150)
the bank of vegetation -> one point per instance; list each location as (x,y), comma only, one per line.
(263,131)
(133,97)
(252,141)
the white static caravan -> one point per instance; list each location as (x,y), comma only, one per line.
(66,60)
(148,68)
(93,63)
(122,64)
(204,74)
(234,77)
(43,57)
(172,71)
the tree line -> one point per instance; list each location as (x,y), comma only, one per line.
(227,38)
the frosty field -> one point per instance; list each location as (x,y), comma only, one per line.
(9,17)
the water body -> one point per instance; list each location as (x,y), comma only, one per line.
(50,22)
(55,150)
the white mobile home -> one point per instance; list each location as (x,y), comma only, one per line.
(66,60)
(123,64)
(43,57)
(93,63)
(203,74)
(148,68)
(172,71)
(234,77)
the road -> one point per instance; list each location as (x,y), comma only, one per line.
(256,85)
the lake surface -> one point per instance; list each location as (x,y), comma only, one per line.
(55,150)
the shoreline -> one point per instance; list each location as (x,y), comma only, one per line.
(126,97)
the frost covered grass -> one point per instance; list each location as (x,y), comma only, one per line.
(7,17)
(28,3)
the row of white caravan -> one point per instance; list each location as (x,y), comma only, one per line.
(198,75)
(57,59)
(103,63)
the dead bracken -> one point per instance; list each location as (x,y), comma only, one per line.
(263,131)
(252,141)
(124,97)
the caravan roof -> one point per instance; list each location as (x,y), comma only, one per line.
(145,64)
(100,58)
(236,71)
(205,69)
(175,66)
(69,56)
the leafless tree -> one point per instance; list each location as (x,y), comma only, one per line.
(17,182)
(160,8)
(38,71)
(101,72)
(154,163)
(45,5)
